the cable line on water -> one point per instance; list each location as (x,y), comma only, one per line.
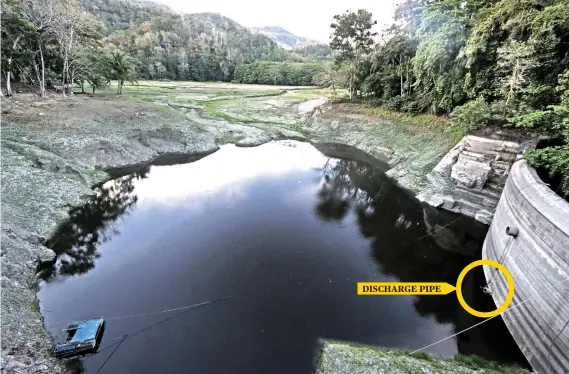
(483,321)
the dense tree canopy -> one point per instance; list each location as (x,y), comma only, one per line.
(60,43)
(281,73)
(500,62)
(503,62)
(352,38)
(202,47)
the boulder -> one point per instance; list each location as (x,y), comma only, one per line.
(46,255)
(470,174)
(470,177)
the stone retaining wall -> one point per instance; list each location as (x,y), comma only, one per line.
(538,259)
(471,176)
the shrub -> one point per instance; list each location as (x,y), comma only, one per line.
(411,106)
(553,159)
(473,115)
(394,103)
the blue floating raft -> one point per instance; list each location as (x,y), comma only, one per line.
(81,337)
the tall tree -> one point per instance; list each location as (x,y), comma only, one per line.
(442,34)
(353,38)
(91,66)
(516,59)
(391,71)
(71,24)
(43,15)
(494,28)
(15,31)
(123,68)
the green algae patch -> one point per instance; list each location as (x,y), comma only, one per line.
(352,358)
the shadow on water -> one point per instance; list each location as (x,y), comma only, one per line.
(450,243)
(75,242)
(405,240)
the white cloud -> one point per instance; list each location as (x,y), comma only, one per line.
(309,19)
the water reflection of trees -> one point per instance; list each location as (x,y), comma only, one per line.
(404,247)
(77,239)
(344,185)
(391,220)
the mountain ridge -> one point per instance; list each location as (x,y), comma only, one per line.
(284,38)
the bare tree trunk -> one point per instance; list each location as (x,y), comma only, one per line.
(8,76)
(9,68)
(42,80)
(35,63)
(407,82)
(351,86)
(401,82)
(39,76)
(72,77)
(68,54)
(513,81)
(63,80)
(401,75)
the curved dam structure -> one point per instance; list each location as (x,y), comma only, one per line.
(529,235)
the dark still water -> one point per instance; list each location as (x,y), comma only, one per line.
(287,232)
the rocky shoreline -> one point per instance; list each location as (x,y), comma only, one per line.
(55,152)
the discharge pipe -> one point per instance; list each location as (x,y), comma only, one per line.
(512,231)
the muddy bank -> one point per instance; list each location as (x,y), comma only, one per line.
(54,150)
(50,162)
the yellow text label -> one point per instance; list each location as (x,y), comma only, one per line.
(404,288)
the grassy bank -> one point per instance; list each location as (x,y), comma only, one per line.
(349,358)
(411,145)
(429,123)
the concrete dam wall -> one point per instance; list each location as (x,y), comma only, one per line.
(538,259)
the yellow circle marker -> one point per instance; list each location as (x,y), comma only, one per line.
(506,302)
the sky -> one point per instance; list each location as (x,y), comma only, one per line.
(306,18)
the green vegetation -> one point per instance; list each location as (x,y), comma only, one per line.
(422,121)
(353,39)
(58,44)
(315,52)
(483,63)
(122,68)
(345,357)
(279,73)
(201,47)
(117,15)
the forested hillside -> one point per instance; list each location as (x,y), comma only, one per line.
(284,38)
(119,15)
(171,45)
(202,46)
(499,63)
(482,63)
(52,43)
(315,52)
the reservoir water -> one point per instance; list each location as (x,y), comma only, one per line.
(277,237)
